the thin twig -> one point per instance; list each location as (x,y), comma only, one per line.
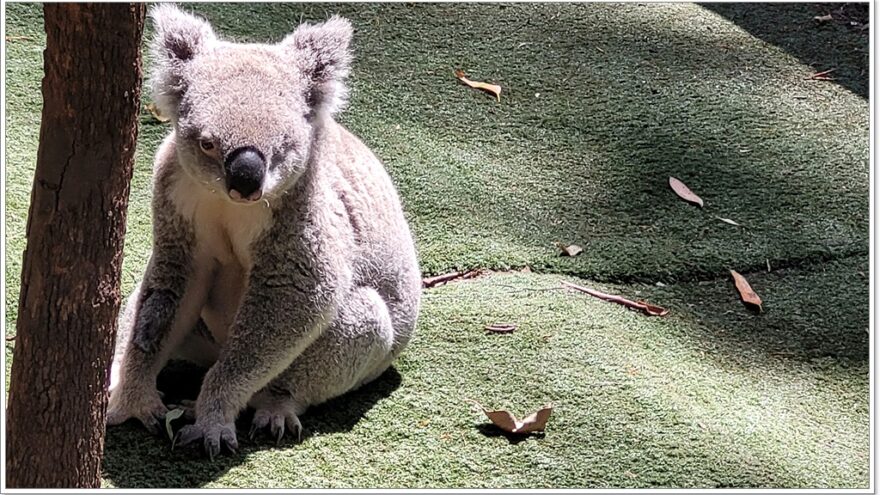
(472,273)
(822,76)
(520,289)
(648,309)
(500,327)
(429,282)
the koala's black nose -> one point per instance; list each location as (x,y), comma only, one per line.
(245,168)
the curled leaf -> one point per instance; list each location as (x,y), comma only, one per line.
(684,192)
(169,417)
(569,250)
(489,88)
(509,423)
(501,328)
(154,111)
(746,292)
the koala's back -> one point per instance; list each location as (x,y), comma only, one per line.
(382,252)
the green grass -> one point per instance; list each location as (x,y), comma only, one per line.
(601,104)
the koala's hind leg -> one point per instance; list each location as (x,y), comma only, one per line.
(354,350)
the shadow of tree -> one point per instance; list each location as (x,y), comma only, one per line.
(823,46)
(620,110)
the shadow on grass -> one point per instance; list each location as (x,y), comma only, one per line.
(134,459)
(827,45)
(583,153)
(492,431)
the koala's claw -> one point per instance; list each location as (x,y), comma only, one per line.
(214,437)
(276,421)
(149,413)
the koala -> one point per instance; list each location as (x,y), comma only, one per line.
(281,257)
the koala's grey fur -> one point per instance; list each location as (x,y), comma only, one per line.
(292,299)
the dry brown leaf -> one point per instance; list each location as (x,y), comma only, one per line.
(508,422)
(501,328)
(684,192)
(154,111)
(570,250)
(648,309)
(490,88)
(823,18)
(745,290)
(727,220)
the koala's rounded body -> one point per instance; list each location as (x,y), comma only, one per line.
(281,256)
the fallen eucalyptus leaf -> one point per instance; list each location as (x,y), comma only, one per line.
(727,220)
(169,417)
(684,192)
(823,18)
(570,250)
(490,88)
(509,423)
(746,292)
(154,110)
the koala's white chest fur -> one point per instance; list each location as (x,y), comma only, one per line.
(225,233)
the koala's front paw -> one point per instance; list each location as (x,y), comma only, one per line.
(146,407)
(213,434)
(276,418)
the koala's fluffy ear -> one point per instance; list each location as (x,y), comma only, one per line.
(179,38)
(323,54)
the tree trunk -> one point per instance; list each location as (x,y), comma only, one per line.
(70,280)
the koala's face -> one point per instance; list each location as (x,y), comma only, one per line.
(245,115)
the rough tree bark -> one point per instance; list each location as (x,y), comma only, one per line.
(70,292)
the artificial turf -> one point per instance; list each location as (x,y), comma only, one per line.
(601,103)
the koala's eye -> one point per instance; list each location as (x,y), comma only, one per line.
(208,147)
